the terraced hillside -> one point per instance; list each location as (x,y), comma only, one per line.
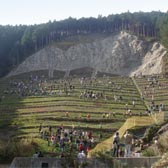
(36,107)
(154,92)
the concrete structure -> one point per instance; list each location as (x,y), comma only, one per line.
(30,162)
(139,162)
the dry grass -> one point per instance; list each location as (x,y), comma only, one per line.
(163,142)
(130,123)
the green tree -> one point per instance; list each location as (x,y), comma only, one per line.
(164,31)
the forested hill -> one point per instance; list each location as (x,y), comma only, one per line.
(19,42)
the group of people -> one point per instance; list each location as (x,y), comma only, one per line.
(117,148)
(150,91)
(71,139)
(39,86)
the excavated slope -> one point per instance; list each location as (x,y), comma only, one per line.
(122,54)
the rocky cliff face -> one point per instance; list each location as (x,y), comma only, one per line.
(122,54)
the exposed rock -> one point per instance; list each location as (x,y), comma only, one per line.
(121,54)
(152,61)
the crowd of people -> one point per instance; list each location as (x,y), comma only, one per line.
(77,139)
(81,142)
(68,140)
(150,91)
(39,86)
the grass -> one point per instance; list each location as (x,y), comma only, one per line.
(25,113)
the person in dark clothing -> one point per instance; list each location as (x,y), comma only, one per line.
(116,141)
(40,128)
(40,154)
(50,129)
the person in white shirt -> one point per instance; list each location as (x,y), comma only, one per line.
(128,142)
(81,156)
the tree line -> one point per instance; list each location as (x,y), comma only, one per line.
(20,41)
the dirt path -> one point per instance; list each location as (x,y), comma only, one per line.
(130,123)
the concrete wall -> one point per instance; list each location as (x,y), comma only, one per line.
(145,162)
(23,162)
(28,162)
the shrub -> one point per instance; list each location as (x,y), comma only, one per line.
(162,142)
(162,163)
(13,149)
(6,153)
(151,151)
(150,133)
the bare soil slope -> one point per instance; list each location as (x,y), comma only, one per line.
(122,54)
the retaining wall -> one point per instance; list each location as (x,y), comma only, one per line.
(30,162)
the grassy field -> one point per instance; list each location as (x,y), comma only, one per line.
(100,105)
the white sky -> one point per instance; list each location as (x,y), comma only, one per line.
(41,11)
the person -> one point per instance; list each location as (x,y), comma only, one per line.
(35,155)
(50,129)
(67,114)
(40,154)
(53,139)
(128,142)
(81,147)
(81,156)
(62,155)
(40,128)
(116,141)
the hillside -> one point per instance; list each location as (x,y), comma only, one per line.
(121,54)
(96,105)
(20,41)
(87,104)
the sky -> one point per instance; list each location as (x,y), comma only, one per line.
(16,12)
